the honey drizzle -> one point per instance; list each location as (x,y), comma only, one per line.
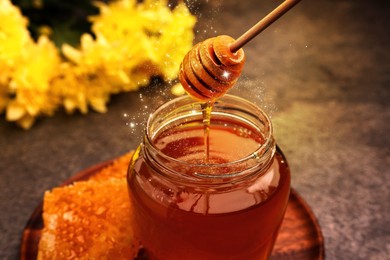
(206,111)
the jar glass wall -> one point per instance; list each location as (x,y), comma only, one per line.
(229,205)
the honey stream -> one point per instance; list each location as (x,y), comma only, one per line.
(206,111)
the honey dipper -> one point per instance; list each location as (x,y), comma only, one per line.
(212,67)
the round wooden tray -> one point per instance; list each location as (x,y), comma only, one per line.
(300,236)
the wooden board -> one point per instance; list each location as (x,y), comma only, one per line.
(300,236)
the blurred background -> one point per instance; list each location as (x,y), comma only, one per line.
(322,73)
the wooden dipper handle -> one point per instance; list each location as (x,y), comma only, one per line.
(263,24)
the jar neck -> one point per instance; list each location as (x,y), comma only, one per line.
(185,111)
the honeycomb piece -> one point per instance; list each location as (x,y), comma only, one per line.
(88,220)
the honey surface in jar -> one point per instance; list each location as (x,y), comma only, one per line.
(176,221)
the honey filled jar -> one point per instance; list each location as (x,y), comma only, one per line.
(226,205)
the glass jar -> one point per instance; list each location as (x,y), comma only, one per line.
(227,206)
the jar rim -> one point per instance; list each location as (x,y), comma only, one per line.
(255,110)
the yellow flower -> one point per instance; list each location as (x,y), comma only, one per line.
(107,59)
(80,88)
(31,83)
(14,37)
(132,42)
(148,35)
(175,40)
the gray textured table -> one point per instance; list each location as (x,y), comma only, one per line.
(322,73)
